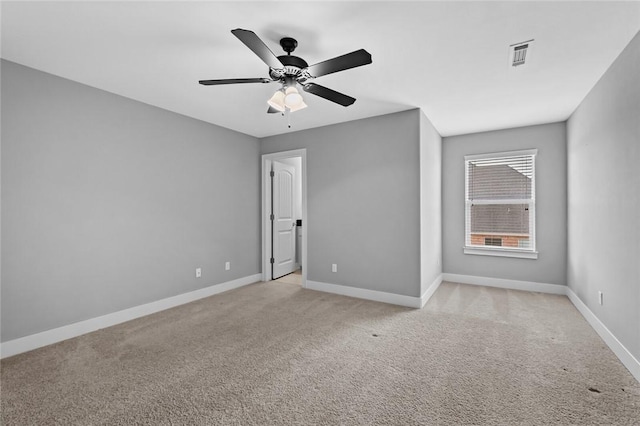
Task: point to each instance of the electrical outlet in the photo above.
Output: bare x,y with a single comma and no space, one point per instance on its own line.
600,297
198,272
227,266
334,267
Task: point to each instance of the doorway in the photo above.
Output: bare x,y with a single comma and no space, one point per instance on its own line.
284,215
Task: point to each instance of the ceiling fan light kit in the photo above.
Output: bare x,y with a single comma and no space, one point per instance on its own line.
289,71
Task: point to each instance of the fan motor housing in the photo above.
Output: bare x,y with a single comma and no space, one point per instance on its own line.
293,66
294,61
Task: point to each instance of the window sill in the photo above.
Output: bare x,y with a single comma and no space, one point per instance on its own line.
502,252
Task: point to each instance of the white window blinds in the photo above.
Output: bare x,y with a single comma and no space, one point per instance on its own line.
500,201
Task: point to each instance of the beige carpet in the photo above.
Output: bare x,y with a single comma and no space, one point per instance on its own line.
292,278
279,354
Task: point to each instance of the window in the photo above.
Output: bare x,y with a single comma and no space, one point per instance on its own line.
489,241
500,204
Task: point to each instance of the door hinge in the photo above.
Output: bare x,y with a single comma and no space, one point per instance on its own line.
272,217
273,260
272,173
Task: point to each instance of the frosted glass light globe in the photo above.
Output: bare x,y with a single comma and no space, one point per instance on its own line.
277,101
292,97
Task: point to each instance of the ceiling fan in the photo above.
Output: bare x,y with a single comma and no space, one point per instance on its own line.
291,70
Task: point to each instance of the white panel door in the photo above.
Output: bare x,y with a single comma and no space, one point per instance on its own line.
284,235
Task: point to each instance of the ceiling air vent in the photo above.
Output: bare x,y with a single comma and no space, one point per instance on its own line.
520,53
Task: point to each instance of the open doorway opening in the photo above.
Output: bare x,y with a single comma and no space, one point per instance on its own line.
284,217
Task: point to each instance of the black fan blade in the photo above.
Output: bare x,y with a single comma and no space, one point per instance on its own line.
253,42
235,81
341,63
272,110
331,95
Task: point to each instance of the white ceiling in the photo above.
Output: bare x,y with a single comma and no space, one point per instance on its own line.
448,58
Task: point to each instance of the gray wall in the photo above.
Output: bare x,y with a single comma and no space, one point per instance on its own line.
108,203
604,198
551,204
363,188
430,203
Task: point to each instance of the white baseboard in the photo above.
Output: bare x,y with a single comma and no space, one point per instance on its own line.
361,293
627,359
502,283
34,341
430,290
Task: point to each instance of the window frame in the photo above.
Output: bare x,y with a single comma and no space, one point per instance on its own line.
525,253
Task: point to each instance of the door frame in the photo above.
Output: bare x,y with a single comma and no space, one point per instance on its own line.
267,160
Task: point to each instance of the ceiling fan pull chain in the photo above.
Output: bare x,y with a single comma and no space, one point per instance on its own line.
288,118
